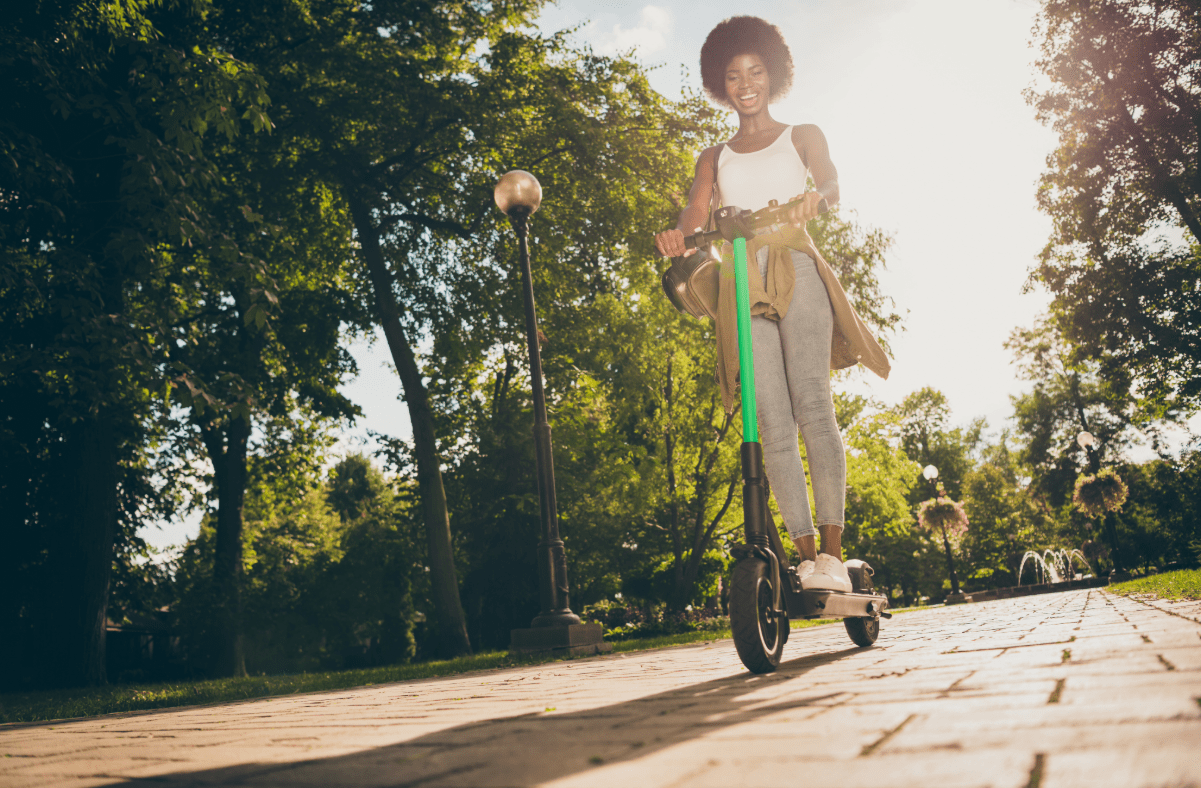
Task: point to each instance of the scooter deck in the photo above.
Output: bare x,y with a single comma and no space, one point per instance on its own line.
830,604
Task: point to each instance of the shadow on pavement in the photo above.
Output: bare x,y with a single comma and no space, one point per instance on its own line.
536,748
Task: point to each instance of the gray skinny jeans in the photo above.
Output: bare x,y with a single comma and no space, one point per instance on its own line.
792,388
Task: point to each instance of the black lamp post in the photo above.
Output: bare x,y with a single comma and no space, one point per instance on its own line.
930,473
519,194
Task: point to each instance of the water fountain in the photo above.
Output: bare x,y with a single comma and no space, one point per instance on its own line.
1052,566
1053,570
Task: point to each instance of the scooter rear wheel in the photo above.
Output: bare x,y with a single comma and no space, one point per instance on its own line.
758,636
863,631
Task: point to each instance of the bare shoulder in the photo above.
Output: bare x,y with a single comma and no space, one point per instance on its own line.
708,157
810,143
706,163
807,134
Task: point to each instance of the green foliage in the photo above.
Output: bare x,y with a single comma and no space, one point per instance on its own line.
1007,520
1121,95
329,572
928,439
622,622
1159,523
1069,396
878,517
113,109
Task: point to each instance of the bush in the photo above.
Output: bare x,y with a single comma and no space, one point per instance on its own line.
1105,492
624,622
943,514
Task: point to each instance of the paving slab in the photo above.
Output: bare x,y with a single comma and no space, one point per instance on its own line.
1079,688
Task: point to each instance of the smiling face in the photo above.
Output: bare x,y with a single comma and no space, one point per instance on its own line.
747,84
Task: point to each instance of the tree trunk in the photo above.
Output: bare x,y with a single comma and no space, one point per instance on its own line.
703,538
83,553
673,507
946,544
448,610
1111,534
228,454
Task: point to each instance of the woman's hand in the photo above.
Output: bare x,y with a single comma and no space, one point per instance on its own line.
801,215
670,243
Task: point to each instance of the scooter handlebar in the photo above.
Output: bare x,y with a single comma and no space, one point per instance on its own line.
745,220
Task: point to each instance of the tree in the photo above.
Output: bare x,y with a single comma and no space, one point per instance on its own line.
329,568
1159,523
261,341
928,439
408,110
879,519
1006,519
1124,99
1069,397
103,158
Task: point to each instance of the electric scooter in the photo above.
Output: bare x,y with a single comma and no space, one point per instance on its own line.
765,591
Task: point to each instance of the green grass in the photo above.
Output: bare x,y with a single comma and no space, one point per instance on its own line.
88,702
1182,584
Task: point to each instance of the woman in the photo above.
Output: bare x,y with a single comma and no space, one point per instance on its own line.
800,311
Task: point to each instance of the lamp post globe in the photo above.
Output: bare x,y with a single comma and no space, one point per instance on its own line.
518,191
930,473
1085,439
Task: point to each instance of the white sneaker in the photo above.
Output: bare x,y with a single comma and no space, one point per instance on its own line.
828,575
803,570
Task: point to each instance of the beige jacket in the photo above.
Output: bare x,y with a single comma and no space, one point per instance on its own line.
852,344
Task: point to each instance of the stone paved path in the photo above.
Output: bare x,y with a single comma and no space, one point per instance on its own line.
1079,688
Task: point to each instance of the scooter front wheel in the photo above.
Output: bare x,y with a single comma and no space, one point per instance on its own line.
759,633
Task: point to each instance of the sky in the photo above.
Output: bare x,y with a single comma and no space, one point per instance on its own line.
921,102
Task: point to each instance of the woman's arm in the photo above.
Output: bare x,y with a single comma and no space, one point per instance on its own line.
811,145
670,243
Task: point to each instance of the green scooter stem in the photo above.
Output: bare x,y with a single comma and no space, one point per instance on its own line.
746,356
755,513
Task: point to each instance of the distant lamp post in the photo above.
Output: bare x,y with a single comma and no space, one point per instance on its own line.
518,194
935,514
1086,441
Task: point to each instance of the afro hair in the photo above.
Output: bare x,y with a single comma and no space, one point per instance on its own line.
743,35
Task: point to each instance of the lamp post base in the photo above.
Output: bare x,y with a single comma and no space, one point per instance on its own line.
571,640
562,618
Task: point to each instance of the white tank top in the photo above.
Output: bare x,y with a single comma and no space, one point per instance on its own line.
749,180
